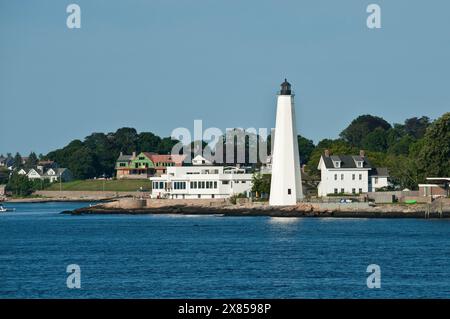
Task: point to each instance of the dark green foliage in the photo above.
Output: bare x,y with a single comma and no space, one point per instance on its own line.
434,156
416,127
4,175
18,161
97,154
305,149
32,160
375,141
361,127
261,184
19,185
411,151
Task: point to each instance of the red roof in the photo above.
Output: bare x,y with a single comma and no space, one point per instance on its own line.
156,158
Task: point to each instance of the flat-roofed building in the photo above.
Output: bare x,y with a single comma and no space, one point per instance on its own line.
191,182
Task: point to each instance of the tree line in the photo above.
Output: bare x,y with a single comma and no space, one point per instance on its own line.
412,150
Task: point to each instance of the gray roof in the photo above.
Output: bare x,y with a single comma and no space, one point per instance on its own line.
379,171
58,171
347,161
125,158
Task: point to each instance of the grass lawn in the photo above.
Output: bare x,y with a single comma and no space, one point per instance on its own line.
97,185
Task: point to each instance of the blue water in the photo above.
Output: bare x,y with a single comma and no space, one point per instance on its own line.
169,256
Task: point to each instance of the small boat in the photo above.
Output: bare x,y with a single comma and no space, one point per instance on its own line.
4,210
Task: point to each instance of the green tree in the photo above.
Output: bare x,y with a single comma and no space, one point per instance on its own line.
261,184
125,140
166,145
416,127
103,151
434,156
305,148
18,162
148,142
32,160
401,146
375,140
4,175
83,164
19,185
404,171
361,126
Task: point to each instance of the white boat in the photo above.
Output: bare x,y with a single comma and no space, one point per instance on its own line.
4,210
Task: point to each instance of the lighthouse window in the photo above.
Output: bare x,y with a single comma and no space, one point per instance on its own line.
289,191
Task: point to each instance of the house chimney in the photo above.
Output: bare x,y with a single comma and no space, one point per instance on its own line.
327,153
362,153
134,154
121,153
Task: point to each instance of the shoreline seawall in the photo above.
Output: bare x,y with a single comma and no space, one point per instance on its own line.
224,208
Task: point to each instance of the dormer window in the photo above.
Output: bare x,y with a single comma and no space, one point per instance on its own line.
359,164
337,164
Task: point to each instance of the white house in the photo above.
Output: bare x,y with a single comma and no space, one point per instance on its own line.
349,174
34,174
53,174
201,181
379,178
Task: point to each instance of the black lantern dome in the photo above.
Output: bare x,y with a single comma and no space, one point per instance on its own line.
285,88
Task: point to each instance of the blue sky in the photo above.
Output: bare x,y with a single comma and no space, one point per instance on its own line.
161,64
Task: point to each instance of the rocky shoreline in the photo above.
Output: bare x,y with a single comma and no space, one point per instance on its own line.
249,210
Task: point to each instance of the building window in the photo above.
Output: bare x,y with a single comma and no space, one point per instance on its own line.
225,182
289,191
360,177
199,196
360,190
353,177
335,177
342,191
335,190
353,191
215,184
376,180
342,177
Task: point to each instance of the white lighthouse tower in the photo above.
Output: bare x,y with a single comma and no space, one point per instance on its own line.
286,184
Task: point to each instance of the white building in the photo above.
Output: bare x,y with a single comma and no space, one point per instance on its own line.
206,181
286,183
349,174
31,173
52,174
